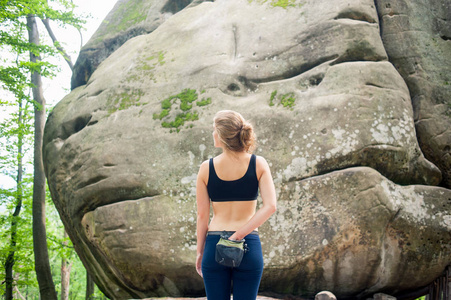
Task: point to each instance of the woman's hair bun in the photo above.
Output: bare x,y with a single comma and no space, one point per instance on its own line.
234,131
247,136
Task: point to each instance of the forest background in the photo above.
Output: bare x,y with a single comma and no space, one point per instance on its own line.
61,27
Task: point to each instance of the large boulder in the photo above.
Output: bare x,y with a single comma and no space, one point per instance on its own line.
122,152
353,232
127,19
417,37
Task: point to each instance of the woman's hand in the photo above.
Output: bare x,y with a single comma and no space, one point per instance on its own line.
199,265
233,237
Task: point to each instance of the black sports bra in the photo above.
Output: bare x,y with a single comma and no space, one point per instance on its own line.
243,189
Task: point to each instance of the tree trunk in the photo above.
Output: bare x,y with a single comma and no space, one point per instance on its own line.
57,44
41,256
89,287
9,263
448,282
19,295
66,267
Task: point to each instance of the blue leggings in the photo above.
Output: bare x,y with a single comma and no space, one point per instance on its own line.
246,278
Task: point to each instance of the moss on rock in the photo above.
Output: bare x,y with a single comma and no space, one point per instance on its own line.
125,100
204,102
184,102
279,3
286,100
130,13
146,67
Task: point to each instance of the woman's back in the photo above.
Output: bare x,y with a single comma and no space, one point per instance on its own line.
230,169
230,183
229,179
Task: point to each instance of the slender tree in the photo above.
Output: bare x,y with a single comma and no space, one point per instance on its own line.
15,131
57,44
66,267
10,259
18,15
89,287
42,265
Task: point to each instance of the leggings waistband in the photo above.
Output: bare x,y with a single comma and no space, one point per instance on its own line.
255,232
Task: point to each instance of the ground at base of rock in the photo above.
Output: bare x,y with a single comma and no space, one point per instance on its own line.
205,298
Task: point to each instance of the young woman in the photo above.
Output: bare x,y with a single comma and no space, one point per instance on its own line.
231,181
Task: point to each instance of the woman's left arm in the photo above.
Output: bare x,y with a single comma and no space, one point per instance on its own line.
268,194
203,213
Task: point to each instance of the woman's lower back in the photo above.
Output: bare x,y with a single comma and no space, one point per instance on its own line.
231,215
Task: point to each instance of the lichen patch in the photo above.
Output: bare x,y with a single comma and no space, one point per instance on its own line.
406,199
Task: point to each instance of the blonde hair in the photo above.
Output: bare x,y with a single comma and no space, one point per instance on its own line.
234,131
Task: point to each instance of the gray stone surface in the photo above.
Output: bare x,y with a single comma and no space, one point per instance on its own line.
353,230
128,18
381,296
417,38
122,152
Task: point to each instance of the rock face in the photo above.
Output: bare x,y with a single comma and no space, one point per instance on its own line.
128,18
359,210
417,37
353,232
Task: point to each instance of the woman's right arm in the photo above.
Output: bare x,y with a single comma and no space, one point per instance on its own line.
268,194
203,212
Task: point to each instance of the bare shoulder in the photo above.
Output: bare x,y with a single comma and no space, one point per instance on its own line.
261,161
202,176
204,167
262,166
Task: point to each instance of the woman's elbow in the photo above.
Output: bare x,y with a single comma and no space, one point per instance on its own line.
202,217
272,207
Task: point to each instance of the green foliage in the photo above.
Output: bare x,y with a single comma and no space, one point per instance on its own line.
161,58
204,102
125,100
10,131
25,279
147,65
14,79
128,13
16,131
161,115
185,103
166,103
24,272
279,3
187,96
271,99
15,72
283,3
60,247
58,10
286,100
180,119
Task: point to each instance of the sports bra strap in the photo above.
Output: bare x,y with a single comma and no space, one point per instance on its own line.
242,189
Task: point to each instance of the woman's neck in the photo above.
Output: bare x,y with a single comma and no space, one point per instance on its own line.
233,154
